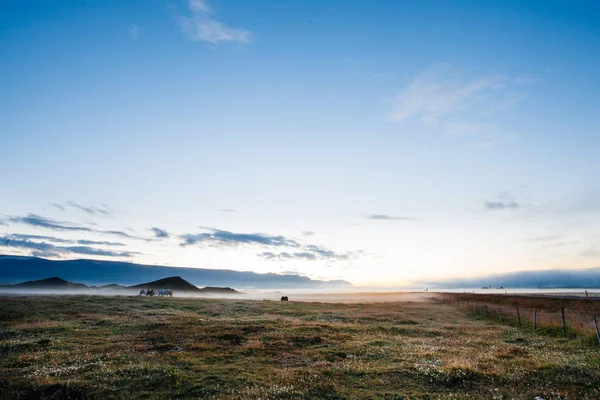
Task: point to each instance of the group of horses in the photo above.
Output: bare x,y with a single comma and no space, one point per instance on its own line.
156,292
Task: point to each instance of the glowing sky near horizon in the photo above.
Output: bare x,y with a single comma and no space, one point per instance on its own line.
377,142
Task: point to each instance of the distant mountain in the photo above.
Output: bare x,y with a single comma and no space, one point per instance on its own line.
95,272
219,290
179,284
174,283
48,283
564,278
110,286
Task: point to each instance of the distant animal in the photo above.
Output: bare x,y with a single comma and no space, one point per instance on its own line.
143,292
150,292
284,298
165,292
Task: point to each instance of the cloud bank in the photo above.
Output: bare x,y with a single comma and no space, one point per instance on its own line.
47,249
219,237
55,225
294,250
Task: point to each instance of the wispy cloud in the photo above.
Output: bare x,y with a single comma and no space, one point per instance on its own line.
48,249
432,96
444,96
219,237
102,243
18,236
160,233
92,210
228,210
47,223
268,255
41,222
201,25
97,252
550,238
44,254
388,217
291,248
493,205
122,234
306,255
503,201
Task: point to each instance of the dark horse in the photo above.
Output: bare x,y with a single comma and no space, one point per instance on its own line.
284,298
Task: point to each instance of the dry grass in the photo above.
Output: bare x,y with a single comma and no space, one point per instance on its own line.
101,347
579,312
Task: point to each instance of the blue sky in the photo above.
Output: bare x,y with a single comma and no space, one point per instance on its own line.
377,142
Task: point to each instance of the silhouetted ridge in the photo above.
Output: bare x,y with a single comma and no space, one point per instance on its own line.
98,272
222,290
49,283
177,283
173,283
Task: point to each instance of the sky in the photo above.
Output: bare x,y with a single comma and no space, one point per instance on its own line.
378,142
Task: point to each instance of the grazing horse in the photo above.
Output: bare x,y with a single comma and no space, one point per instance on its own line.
165,292
143,292
284,298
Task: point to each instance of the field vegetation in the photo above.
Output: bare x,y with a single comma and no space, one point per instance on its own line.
547,311
71,347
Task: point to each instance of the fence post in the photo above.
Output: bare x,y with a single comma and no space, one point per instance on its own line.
562,311
534,319
597,331
487,314
519,316
501,318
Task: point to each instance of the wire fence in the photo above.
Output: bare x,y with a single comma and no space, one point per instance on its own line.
581,318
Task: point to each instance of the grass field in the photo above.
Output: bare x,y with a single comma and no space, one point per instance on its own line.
547,311
128,347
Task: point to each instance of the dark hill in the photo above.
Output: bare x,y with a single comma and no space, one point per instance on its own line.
173,283
111,286
177,283
220,290
49,283
97,272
